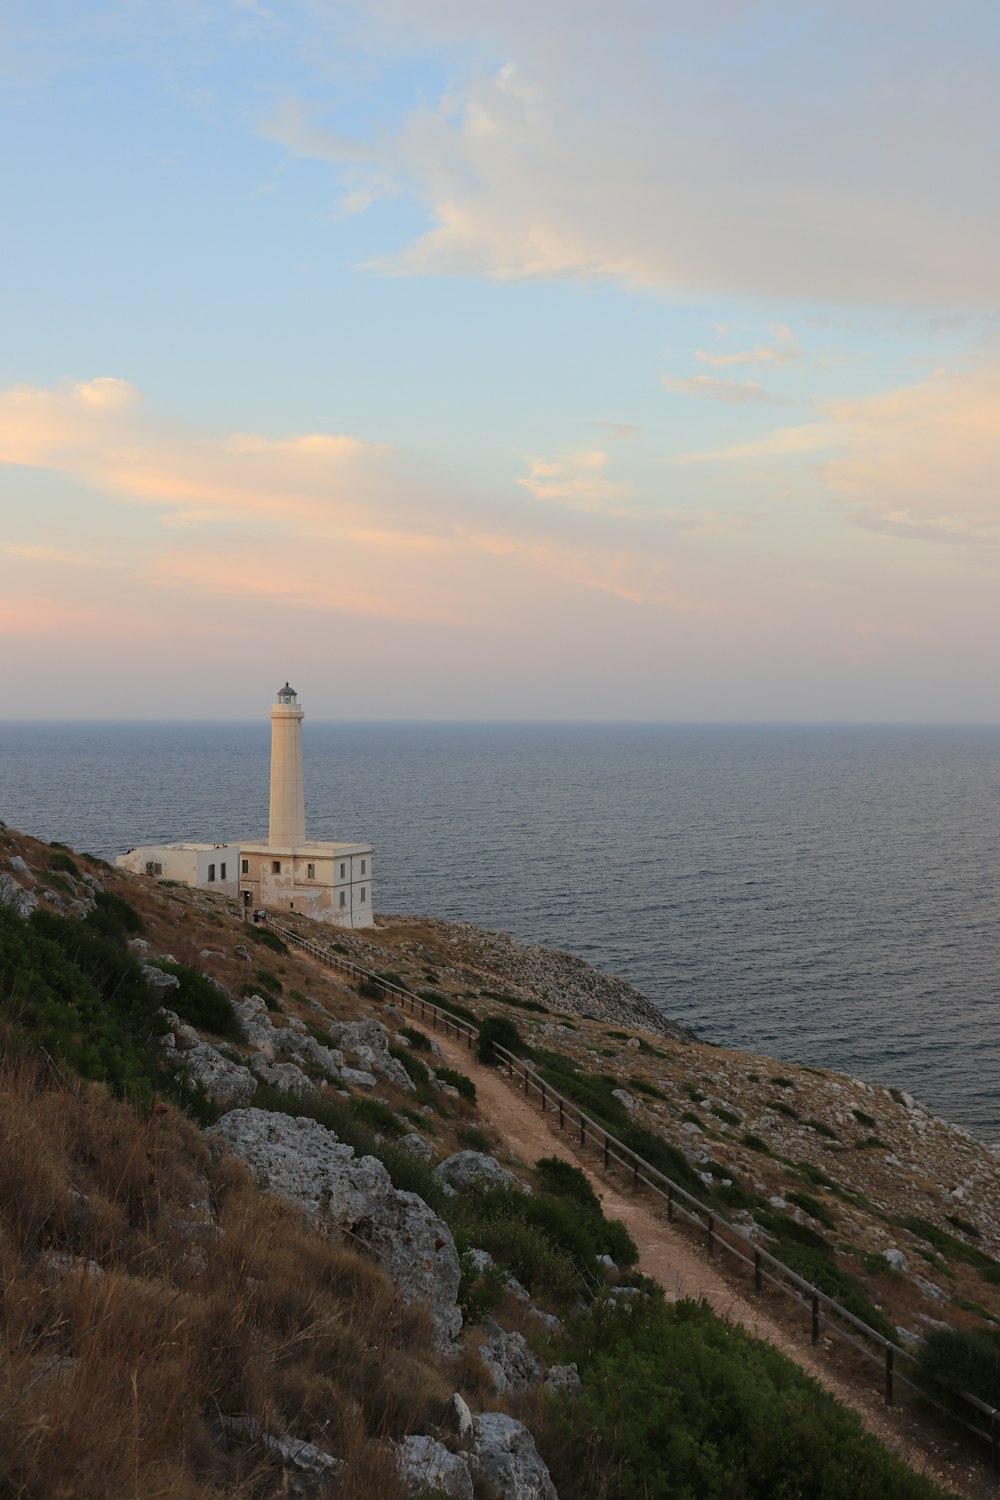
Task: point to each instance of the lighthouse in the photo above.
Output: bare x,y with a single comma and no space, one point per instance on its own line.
328,880
287,825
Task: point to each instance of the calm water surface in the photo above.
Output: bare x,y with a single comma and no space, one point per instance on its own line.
828,895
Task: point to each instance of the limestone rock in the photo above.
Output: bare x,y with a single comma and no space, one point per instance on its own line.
21,867
358,1079
458,1418
12,895
310,1471
305,1164
628,1100
159,981
284,1076
563,1379
417,1145
475,1172
512,1364
896,1259
431,1469
226,1081
367,1042
506,1458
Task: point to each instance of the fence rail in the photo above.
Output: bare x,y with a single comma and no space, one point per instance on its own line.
680,1205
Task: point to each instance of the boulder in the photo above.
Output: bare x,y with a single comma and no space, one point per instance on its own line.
564,1380
21,867
458,1419
367,1042
304,1163
505,1458
12,895
357,1079
431,1469
309,1471
475,1172
417,1145
896,1259
224,1080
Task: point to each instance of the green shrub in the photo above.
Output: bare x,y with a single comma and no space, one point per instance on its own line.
479,1292
378,1115
756,1144
963,1225
200,1001
113,916
729,1115
450,1004
267,938
951,1360
533,1005
499,1031
370,989
865,1119
642,1087
813,1208
418,1040
821,1128
64,863
459,1081
473,1139
949,1245
563,1180
783,1108
270,981
781,1082
297,995
679,1405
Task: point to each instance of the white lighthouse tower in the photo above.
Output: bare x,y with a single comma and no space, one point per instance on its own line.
287,825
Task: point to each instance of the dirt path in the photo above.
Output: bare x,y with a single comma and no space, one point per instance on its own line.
668,1256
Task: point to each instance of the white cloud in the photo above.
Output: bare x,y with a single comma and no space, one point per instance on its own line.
784,348
652,144
730,392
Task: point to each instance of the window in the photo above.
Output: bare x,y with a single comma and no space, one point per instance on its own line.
152,868
310,872
343,898
245,866
362,893
364,868
211,874
222,872
343,867
276,867
157,868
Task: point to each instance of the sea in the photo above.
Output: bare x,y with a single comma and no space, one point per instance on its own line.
829,895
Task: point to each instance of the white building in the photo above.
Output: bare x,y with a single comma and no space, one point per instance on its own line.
214,866
331,882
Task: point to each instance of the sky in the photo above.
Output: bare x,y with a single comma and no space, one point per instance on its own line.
486,359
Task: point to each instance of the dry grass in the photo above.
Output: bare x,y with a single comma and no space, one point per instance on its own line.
148,1290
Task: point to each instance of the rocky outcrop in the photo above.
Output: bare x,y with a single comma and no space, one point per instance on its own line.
304,1163
432,1470
505,1457
474,1172
367,1043
308,1471
513,1366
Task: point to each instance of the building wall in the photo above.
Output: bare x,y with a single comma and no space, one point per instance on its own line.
329,887
189,863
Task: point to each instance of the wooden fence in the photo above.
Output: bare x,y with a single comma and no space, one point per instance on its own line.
680,1207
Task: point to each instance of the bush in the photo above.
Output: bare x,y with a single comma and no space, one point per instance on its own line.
268,938
419,1075
417,1039
951,1360
64,863
812,1207
499,1031
201,1002
678,1404
113,916
473,1139
459,1081
269,981
378,1115
450,1004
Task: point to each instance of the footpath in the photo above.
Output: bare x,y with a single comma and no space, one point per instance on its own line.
670,1258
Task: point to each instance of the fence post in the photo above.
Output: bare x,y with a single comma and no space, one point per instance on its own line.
561,1118
670,1205
888,1387
758,1277
583,1132
710,1225
510,1067
635,1174
526,1083
815,1318
543,1099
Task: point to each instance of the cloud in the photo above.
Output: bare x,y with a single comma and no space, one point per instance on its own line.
785,348
731,392
576,480
924,461
331,523
784,442
621,431
654,147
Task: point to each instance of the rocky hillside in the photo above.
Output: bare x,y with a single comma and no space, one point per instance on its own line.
256,1234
